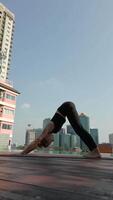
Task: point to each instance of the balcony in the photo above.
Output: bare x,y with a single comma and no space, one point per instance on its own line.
7,118
7,102
4,131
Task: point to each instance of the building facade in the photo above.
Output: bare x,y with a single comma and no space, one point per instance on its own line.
73,141
70,129
76,142
94,134
7,113
7,20
7,93
67,141
46,122
85,123
56,143
111,138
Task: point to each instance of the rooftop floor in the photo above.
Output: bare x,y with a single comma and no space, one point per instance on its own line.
45,177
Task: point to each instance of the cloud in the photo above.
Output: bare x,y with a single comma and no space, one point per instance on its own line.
25,105
53,82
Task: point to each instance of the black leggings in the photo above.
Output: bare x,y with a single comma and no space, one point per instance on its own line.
68,109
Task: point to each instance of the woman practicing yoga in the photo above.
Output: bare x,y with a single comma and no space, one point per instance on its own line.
67,109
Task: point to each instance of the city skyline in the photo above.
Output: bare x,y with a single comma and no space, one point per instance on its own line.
62,51
66,138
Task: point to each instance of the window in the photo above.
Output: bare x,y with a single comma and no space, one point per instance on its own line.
5,49
6,126
8,111
11,97
8,27
10,19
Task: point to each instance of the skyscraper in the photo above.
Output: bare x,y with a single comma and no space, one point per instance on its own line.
45,122
7,20
76,138
73,141
85,123
56,142
67,141
62,131
94,134
62,140
70,129
111,138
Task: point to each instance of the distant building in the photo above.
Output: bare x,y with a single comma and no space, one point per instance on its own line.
62,140
78,141
7,21
85,123
67,141
62,131
56,142
70,130
32,134
46,122
59,139
111,138
73,141
76,138
94,134
105,148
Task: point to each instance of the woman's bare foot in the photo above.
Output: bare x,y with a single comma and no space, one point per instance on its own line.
93,154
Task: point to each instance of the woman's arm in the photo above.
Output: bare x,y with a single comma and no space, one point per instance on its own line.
44,140
31,147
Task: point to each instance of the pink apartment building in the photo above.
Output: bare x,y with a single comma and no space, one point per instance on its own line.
7,112
7,92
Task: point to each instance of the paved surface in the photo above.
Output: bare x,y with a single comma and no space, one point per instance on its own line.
55,178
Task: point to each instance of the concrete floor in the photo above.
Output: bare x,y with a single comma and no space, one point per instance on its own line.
44,177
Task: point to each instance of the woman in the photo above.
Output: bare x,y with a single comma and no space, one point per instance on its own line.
67,109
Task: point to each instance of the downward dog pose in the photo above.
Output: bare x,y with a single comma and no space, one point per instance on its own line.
67,109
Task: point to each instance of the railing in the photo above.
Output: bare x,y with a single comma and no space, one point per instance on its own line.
8,82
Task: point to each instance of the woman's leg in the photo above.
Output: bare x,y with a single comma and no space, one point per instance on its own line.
68,110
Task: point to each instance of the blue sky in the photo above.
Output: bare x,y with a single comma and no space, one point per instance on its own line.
63,50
